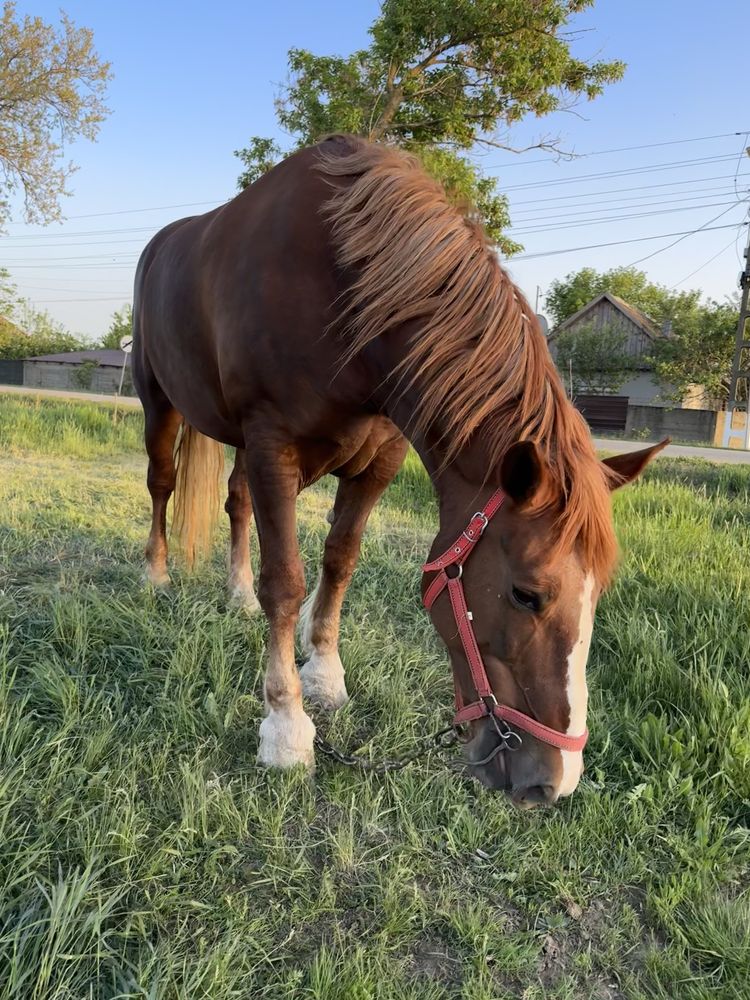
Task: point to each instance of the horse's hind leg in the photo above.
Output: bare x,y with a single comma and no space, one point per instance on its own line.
286,733
323,675
239,507
162,424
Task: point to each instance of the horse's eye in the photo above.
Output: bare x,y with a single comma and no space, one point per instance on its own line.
532,602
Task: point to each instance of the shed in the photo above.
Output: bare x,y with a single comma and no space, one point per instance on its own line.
610,311
82,371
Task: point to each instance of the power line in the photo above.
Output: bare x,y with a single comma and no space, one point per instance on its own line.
618,149
105,298
731,243
559,223
132,211
524,227
631,201
739,161
575,221
682,237
605,220
83,232
579,196
629,171
638,187
617,243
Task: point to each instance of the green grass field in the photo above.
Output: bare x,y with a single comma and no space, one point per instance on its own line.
143,854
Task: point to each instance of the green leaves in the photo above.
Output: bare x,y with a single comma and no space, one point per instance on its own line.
596,358
120,326
439,77
52,84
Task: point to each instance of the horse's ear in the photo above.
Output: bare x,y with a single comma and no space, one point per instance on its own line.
522,471
629,466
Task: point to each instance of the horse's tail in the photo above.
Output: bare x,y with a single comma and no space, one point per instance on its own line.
200,467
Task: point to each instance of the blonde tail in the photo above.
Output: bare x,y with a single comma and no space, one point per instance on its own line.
200,467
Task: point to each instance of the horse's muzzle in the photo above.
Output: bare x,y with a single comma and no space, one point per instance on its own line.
528,778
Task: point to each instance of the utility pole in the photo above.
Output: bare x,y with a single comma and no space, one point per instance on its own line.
739,386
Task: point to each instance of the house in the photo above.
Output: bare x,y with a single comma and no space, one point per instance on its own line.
610,311
84,371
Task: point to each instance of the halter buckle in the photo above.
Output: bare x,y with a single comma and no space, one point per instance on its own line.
483,518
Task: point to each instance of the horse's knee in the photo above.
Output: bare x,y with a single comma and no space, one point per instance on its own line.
281,592
339,562
237,505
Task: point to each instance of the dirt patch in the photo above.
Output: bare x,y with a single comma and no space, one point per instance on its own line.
432,959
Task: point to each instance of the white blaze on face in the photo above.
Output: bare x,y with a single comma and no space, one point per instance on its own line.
577,691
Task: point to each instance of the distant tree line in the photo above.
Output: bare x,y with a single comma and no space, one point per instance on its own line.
26,331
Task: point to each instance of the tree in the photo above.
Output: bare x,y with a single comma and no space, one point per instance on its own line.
120,326
24,331
438,78
52,85
18,343
567,295
594,360
701,352
8,296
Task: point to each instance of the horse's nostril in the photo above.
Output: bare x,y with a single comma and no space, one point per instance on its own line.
534,795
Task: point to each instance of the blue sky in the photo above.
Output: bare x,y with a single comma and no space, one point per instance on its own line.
193,81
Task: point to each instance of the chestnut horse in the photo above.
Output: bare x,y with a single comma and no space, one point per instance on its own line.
336,310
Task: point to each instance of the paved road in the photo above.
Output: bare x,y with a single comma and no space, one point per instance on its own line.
730,456
726,455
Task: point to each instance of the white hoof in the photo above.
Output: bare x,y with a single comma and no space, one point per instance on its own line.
286,739
157,578
323,681
244,599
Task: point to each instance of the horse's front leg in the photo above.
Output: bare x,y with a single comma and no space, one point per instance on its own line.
286,733
323,674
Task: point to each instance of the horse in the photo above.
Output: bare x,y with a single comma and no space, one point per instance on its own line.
336,311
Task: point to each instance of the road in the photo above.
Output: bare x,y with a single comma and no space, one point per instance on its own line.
725,455
729,456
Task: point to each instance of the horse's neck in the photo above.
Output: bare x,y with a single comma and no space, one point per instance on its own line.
458,484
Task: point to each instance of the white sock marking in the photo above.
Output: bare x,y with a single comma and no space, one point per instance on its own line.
286,739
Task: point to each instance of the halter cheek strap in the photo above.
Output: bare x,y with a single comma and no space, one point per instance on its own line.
486,704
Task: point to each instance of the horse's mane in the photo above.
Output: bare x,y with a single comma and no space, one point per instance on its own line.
478,354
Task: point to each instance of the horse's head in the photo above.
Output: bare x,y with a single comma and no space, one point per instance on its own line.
531,603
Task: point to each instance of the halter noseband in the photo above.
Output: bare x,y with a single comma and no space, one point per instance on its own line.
486,704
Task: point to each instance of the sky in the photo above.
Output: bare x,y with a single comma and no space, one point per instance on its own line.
193,81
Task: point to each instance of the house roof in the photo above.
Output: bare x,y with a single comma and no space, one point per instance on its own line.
636,316
7,325
105,358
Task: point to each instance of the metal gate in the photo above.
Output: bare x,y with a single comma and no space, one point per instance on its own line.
604,413
11,372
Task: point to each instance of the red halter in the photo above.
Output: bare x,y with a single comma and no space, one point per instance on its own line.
487,704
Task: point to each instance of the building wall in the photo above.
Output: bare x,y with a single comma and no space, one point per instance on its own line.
644,390
606,315
683,425
54,375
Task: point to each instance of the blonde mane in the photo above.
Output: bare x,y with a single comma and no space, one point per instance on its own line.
478,355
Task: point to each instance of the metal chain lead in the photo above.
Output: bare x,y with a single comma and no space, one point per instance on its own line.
443,739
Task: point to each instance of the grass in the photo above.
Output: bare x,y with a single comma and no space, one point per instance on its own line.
143,854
